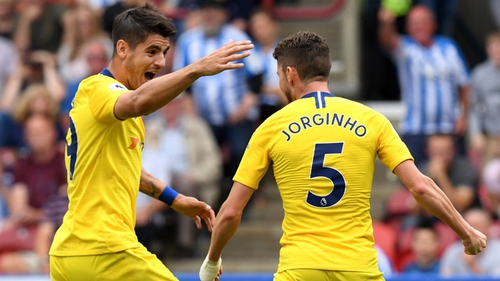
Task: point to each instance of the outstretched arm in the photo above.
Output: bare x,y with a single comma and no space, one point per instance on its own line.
433,199
185,205
156,93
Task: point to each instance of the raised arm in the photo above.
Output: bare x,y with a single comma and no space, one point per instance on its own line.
461,123
432,198
185,205
387,33
156,93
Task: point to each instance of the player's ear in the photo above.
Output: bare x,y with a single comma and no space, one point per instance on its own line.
121,48
291,74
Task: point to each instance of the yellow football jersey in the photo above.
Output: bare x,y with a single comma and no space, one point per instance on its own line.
323,150
103,160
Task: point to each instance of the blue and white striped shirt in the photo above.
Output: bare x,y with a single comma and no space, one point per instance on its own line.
270,76
216,97
429,80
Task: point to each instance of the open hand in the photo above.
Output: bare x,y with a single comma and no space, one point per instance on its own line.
222,58
195,209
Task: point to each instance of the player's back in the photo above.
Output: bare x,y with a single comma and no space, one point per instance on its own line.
323,150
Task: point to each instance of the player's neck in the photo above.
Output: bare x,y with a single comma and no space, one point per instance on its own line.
115,70
315,86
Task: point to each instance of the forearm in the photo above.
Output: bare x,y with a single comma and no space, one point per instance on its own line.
156,93
54,83
43,240
433,199
150,185
225,227
11,91
154,187
443,181
23,34
388,35
465,100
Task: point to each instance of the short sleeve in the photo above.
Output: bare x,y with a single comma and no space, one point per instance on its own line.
390,148
102,98
256,159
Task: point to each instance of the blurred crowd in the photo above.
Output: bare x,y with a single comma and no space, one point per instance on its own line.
195,143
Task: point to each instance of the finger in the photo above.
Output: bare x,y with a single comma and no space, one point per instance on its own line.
236,57
197,220
239,48
208,222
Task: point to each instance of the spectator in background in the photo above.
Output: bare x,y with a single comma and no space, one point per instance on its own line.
34,67
96,59
455,263
433,77
491,179
3,195
227,102
186,156
100,5
37,178
8,60
264,29
454,173
36,99
7,19
484,128
425,247
37,259
40,25
149,216
81,26
445,12
240,12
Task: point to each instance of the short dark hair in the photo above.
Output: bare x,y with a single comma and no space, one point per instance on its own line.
135,24
307,52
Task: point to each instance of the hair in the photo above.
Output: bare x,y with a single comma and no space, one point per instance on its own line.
134,25
426,224
493,37
23,110
267,13
307,52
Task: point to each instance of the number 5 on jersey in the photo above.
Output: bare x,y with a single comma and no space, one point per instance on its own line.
319,170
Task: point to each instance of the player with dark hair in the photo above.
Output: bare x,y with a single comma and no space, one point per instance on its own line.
323,149
104,148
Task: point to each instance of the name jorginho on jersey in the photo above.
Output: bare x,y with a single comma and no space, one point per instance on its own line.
325,119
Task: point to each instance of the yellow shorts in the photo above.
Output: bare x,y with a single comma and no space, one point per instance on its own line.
131,264
326,275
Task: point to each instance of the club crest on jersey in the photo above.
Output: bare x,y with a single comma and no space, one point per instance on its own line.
117,87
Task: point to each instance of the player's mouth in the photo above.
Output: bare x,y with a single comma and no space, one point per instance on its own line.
149,75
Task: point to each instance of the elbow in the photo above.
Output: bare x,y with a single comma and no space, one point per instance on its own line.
139,106
231,215
422,187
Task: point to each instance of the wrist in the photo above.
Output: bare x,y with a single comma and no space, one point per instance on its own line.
168,195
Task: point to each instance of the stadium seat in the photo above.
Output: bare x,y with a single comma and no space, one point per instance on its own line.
385,237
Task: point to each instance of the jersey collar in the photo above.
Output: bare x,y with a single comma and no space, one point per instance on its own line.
106,72
317,94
